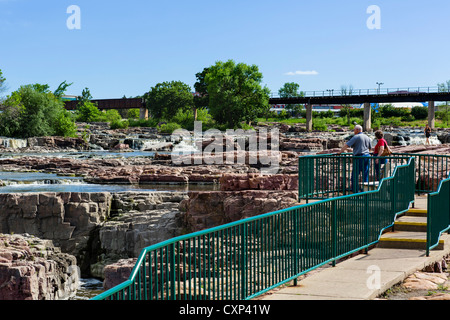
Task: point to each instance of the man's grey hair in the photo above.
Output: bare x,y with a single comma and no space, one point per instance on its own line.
358,127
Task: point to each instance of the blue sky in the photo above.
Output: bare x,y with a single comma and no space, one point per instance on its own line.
127,47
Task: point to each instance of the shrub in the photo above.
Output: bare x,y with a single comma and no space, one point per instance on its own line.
110,116
168,127
419,113
119,124
32,112
185,118
88,112
320,125
133,114
389,111
151,123
65,126
283,115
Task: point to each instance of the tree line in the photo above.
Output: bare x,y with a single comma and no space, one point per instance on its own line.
228,94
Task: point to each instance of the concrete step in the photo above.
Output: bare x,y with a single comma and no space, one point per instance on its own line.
417,212
406,240
411,223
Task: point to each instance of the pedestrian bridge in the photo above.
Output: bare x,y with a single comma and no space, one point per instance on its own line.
360,96
246,258
354,96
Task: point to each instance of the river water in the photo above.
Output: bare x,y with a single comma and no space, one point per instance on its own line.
24,182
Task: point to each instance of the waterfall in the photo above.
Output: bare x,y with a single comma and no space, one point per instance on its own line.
13,143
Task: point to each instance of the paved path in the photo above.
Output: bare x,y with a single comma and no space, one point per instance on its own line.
364,276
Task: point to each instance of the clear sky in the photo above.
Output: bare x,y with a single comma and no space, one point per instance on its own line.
127,47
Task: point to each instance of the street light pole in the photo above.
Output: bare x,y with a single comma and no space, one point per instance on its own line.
379,85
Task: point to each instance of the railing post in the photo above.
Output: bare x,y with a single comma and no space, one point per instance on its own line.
366,218
394,198
345,174
243,261
296,255
172,271
429,211
334,231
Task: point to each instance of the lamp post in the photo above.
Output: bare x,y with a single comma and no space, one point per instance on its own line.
331,91
379,85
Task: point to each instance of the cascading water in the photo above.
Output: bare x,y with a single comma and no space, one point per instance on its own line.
13,143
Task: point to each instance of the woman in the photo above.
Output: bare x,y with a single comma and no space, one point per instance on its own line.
427,132
379,149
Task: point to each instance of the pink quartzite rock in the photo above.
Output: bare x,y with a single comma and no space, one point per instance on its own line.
252,181
210,209
118,272
33,269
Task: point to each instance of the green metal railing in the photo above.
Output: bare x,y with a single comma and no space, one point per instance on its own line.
438,214
330,175
430,170
247,258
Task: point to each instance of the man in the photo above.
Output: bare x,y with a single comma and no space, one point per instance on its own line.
361,145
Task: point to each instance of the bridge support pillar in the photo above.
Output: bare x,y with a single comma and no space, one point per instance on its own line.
143,113
309,123
431,114
367,126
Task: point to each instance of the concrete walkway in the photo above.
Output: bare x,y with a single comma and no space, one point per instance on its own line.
365,276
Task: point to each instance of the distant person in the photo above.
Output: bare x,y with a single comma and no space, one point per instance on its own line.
378,151
427,132
361,145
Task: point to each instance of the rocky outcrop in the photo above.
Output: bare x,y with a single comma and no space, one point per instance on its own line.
254,181
97,228
34,269
202,210
138,220
118,272
210,209
121,171
65,218
302,144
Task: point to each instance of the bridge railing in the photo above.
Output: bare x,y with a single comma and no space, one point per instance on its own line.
247,258
368,92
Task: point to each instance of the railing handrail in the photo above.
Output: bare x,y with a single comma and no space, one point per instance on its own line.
333,93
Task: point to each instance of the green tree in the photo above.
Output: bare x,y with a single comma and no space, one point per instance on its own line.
85,96
34,111
87,111
2,83
165,99
61,89
235,93
201,99
291,90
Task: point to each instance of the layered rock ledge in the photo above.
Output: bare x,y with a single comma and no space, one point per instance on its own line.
34,269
